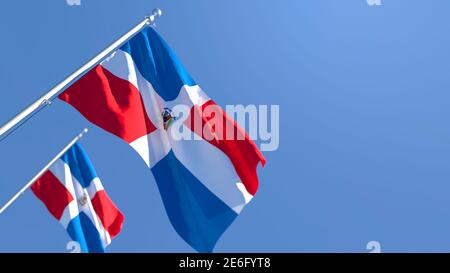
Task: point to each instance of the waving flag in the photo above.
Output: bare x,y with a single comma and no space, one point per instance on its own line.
204,183
74,195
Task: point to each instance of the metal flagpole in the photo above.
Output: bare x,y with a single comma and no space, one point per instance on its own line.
43,170
59,88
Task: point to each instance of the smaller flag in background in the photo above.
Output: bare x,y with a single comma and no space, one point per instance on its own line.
74,195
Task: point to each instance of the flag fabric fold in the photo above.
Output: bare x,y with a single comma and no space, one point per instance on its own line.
204,183
74,195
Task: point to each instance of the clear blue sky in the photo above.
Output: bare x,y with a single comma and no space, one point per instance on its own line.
364,134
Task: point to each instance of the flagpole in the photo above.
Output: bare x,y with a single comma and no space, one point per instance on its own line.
43,170
60,87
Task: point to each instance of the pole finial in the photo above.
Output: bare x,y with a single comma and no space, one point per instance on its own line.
154,15
85,130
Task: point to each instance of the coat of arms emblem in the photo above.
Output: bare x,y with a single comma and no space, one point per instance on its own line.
167,117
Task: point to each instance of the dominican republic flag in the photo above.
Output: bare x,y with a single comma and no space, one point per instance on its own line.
204,183
74,195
